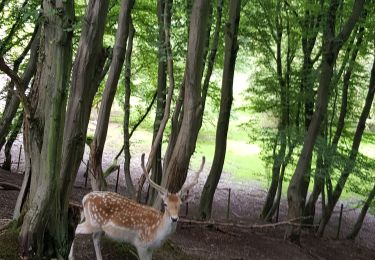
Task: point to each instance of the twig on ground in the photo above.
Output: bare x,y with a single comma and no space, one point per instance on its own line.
242,225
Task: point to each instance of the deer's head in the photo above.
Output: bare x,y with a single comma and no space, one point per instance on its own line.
172,201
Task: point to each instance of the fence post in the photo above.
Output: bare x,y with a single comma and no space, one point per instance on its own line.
187,204
228,205
340,217
19,158
118,174
87,172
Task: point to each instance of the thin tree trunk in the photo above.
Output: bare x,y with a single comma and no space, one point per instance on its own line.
331,46
12,137
320,175
279,155
231,48
128,181
213,51
97,144
156,173
4,43
350,163
14,102
158,138
358,224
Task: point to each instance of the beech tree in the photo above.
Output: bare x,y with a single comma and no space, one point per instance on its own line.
332,43
231,48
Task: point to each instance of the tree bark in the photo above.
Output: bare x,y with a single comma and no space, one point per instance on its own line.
358,224
156,172
97,144
283,76
129,50
7,165
176,171
41,233
231,48
213,51
88,65
331,46
324,164
14,102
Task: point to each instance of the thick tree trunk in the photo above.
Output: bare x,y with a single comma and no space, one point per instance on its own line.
129,183
176,171
350,163
231,48
331,46
41,233
358,224
97,144
87,70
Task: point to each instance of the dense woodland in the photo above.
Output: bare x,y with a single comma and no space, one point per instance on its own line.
311,71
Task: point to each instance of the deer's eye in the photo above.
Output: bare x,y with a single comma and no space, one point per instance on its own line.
165,205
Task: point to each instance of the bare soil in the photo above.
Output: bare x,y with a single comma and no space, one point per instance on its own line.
192,241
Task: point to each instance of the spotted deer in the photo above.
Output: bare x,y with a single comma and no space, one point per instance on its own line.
125,220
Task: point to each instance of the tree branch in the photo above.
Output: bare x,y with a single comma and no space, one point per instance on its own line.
20,86
291,222
350,23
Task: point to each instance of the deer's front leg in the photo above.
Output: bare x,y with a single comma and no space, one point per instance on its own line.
96,237
144,253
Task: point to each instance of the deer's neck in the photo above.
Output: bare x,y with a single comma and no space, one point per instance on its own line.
167,226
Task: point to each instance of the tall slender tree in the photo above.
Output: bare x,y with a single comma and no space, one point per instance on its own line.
119,49
332,44
231,48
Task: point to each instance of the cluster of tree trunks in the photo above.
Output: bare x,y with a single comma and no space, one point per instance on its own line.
56,109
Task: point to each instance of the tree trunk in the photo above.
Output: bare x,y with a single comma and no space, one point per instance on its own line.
14,102
41,233
97,144
88,66
8,146
358,224
331,46
156,173
319,177
88,60
213,51
176,171
279,156
129,50
321,174
350,163
231,48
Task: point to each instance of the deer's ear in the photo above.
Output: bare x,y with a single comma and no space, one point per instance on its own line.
163,195
186,197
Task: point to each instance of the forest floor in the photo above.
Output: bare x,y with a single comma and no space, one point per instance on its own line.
193,241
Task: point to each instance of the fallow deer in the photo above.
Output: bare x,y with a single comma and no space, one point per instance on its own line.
127,221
